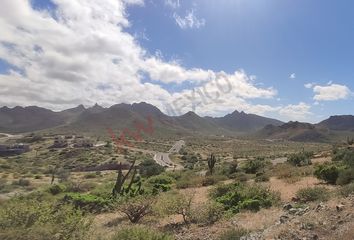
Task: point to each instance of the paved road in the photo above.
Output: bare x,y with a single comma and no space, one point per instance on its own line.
164,159
177,146
11,136
5,136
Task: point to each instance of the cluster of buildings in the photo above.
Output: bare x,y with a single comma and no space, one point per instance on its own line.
59,142
72,141
14,149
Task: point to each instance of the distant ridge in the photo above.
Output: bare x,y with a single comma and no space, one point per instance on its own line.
26,119
331,129
339,122
96,119
243,122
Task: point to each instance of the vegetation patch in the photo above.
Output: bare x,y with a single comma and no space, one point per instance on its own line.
88,202
300,159
238,196
313,194
140,233
233,234
23,218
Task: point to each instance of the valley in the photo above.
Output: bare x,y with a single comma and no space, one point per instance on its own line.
196,184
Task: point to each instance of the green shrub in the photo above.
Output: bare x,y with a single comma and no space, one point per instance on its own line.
251,204
212,179
344,155
207,213
22,182
140,233
161,179
261,177
63,174
189,179
239,176
80,187
235,197
103,190
136,208
22,218
253,166
312,194
233,234
56,189
88,202
232,167
347,190
149,168
160,183
300,159
175,203
327,172
345,176
227,168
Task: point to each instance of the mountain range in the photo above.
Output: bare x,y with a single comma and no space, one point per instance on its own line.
96,120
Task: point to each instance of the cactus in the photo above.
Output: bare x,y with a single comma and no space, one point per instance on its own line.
118,188
350,141
211,163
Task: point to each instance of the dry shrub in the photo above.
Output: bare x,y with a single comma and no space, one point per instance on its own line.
291,174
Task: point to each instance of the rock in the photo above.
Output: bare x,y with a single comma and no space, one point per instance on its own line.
293,211
284,218
287,206
307,226
314,237
295,199
320,207
340,207
299,211
296,222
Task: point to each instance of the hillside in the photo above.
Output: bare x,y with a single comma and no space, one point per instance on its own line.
330,130
293,131
243,122
28,119
96,120
339,123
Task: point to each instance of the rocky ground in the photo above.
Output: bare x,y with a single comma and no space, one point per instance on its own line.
331,220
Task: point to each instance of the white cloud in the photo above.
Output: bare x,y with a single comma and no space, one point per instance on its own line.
222,93
189,21
331,92
300,111
174,4
64,60
168,72
308,85
292,76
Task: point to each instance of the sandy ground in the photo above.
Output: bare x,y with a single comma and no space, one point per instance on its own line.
288,190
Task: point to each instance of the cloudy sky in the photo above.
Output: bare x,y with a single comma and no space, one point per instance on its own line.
292,60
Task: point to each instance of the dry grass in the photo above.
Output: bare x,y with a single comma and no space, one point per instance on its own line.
288,190
291,174
257,221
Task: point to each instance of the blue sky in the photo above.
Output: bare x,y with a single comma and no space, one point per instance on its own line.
279,46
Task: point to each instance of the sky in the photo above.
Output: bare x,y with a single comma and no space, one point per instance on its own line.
290,60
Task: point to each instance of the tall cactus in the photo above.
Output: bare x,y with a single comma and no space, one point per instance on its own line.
118,188
211,163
